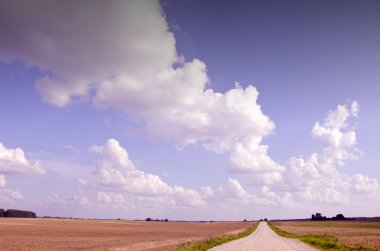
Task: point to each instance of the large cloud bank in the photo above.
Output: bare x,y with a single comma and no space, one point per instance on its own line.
121,55
314,180
121,184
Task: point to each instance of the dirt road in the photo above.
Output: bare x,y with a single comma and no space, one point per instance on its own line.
264,239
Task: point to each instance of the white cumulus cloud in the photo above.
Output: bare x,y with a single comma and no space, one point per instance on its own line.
122,55
83,43
13,161
117,174
340,138
319,177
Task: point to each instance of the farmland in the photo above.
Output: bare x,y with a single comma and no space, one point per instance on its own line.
66,234
351,233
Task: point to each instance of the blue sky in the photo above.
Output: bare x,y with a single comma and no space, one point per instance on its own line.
190,110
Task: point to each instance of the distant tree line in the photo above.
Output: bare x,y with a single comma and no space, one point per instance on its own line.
150,219
320,217
14,213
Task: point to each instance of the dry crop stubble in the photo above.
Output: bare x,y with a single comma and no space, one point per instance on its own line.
66,234
350,233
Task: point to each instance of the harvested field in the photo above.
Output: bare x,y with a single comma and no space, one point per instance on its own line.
57,234
351,233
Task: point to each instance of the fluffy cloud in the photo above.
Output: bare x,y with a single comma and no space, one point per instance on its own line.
318,177
86,42
334,131
232,190
117,174
250,159
122,185
13,161
123,56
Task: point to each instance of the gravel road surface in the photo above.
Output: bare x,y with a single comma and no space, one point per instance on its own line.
264,239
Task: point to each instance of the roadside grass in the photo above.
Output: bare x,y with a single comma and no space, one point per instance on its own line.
323,242
216,241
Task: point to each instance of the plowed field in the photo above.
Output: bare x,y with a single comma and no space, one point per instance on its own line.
57,234
351,233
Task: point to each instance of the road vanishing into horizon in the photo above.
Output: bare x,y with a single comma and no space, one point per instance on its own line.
264,239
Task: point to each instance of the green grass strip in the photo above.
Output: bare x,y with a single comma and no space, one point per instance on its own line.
323,242
216,241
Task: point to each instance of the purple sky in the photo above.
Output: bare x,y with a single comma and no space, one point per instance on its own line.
190,110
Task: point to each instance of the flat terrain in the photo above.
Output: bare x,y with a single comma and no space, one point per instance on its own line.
264,239
351,233
57,234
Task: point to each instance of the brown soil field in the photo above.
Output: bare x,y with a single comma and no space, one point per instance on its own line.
112,235
351,233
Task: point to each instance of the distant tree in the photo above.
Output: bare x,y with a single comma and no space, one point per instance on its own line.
2,211
148,219
317,216
265,219
339,217
166,220
245,220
